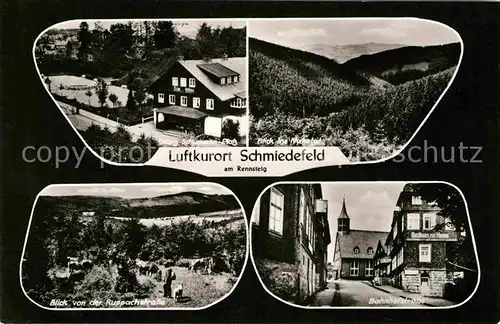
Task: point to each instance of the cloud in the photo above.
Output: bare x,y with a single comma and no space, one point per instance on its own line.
384,32
164,189
376,199
296,33
101,190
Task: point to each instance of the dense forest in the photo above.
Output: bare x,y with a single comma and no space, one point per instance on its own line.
364,112
58,231
134,52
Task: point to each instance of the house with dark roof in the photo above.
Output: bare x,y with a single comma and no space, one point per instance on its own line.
198,96
417,245
290,236
354,249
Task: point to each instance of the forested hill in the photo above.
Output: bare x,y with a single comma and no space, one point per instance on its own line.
407,63
185,203
357,106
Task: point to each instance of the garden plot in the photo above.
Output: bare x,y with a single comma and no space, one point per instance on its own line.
73,87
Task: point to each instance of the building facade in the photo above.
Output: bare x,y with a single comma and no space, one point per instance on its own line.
354,249
417,245
290,233
198,96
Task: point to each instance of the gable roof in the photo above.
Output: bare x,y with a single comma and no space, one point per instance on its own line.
226,91
361,239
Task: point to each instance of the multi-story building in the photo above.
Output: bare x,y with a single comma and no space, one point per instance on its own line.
354,249
198,96
417,245
290,233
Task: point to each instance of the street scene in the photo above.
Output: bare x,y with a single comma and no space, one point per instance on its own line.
364,245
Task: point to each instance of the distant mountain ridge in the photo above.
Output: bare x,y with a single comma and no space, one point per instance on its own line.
185,203
343,53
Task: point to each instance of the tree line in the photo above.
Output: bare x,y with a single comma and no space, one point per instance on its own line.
114,245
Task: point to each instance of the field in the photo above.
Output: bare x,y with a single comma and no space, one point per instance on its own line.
73,87
76,251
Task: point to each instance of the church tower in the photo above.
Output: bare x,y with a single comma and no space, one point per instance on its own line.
343,220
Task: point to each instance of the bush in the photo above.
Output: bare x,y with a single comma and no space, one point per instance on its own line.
145,288
99,283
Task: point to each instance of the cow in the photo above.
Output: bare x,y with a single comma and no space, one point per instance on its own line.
198,264
73,264
153,269
158,276
78,275
86,264
167,286
143,266
178,293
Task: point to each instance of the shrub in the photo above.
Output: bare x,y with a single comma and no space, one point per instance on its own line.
98,283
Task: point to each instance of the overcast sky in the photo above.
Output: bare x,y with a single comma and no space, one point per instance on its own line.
133,190
187,28
298,33
370,206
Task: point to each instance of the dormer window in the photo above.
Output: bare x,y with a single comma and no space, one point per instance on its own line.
370,250
416,200
228,80
235,79
356,250
223,81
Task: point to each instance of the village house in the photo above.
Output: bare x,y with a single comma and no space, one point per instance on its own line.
290,235
354,249
417,245
198,96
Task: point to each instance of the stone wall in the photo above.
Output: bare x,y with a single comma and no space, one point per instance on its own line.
437,279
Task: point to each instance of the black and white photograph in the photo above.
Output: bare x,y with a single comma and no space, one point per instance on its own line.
379,244
140,246
364,85
148,83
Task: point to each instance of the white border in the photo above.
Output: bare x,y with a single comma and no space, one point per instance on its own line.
245,219
248,21
367,307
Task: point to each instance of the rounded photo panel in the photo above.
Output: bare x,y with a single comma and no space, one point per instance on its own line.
172,246
247,94
365,245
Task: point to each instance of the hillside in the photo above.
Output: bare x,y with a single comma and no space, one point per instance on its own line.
299,82
407,63
162,206
343,53
357,106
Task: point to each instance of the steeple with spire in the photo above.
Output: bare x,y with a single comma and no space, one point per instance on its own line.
343,220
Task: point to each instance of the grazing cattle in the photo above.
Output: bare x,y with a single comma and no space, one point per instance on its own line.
74,266
86,264
159,275
143,266
78,275
167,286
153,269
197,264
178,292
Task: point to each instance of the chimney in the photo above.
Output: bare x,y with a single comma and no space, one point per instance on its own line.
224,56
180,58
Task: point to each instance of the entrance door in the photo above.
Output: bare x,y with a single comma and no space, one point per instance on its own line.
424,286
161,118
